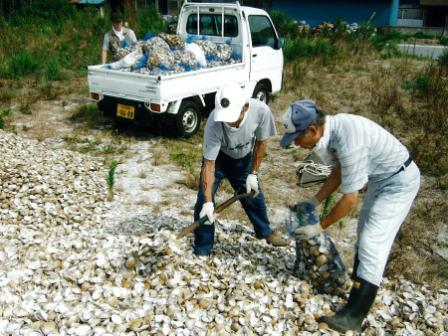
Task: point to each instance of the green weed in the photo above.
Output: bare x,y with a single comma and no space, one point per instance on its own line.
53,70
111,179
185,156
25,109
3,116
21,64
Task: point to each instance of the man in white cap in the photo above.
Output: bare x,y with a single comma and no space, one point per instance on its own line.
116,38
365,154
235,139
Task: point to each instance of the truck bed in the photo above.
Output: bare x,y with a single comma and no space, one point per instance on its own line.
162,89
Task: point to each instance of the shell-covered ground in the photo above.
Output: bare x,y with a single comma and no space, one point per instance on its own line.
72,263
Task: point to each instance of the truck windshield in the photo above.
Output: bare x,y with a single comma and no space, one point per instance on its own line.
211,24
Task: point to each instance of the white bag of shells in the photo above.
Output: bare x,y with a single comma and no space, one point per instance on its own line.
317,259
170,54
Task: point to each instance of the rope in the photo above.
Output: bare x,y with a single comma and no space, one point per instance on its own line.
313,168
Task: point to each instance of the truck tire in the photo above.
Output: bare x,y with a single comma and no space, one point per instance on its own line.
188,119
261,92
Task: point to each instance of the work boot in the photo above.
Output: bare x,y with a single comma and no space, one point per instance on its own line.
358,305
276,240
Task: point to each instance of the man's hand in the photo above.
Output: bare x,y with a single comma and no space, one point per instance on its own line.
252,184
208,209
308,231
306,206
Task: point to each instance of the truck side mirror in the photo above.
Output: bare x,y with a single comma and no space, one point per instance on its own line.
279,43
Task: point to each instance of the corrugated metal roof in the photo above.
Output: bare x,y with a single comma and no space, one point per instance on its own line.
434,2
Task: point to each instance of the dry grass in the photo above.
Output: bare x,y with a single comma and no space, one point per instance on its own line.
160,157
190,181
143,202
142,174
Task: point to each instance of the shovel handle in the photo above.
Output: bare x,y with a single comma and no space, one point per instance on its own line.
191,228
218,209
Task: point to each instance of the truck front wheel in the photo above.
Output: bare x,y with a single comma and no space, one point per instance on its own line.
261,92
188,119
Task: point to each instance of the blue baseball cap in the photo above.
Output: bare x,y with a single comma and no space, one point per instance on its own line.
297,118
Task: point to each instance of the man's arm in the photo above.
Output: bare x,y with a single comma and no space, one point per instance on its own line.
208,178
330,185
346,204
103,56
258,154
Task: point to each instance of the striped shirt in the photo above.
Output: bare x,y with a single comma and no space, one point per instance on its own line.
364,149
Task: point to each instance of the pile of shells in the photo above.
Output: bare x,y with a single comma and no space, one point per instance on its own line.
68,268
209,48
318,262
155,43
161,58
185,58
173,40
167,54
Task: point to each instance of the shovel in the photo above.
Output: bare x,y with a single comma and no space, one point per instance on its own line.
236,196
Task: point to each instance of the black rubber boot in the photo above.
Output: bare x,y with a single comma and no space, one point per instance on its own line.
358,305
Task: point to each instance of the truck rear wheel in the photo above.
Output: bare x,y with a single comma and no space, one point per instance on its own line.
188,119
261,92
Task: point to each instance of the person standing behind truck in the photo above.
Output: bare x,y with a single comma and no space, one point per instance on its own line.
118,37
366,154
235,138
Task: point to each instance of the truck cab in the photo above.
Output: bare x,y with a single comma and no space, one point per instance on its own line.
251,33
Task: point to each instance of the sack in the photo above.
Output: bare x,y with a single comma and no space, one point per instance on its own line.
317,260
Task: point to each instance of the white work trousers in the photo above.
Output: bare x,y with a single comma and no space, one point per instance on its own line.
385,207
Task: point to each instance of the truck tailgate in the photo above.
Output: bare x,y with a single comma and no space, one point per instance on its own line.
122,84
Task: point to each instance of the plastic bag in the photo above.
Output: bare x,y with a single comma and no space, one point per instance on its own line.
198,53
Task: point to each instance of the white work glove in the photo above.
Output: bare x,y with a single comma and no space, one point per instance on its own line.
308,231
306,206
252,184
208,209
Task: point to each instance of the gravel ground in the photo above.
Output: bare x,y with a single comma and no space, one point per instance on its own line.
72,263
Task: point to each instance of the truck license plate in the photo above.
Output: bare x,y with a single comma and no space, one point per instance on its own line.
125,111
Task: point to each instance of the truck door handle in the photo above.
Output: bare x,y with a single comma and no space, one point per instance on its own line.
254,55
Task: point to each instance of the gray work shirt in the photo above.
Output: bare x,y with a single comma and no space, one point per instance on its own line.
238,142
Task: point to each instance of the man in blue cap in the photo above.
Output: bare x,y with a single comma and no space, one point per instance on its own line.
363,153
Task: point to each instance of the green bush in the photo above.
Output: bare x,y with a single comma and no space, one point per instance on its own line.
390,50
443,40
385,38
53,70
21,64
48,11
421,35
149,21
285,25
308,47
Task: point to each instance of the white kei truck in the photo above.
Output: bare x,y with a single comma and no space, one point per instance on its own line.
180,100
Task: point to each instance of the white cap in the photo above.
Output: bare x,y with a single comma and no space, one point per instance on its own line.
229,102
